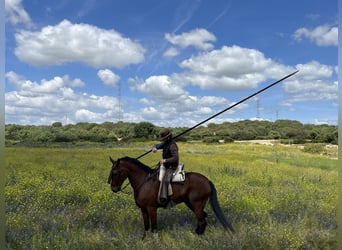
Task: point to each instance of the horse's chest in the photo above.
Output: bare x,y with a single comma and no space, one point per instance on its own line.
147,194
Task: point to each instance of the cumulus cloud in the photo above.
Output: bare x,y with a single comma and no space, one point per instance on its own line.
313,83
324,35
160,87
87,115
68,42
184,111
29,88
204,104
317,90
16,14
51,100
314,70
231,68
73,83
108,77
168,101
199,38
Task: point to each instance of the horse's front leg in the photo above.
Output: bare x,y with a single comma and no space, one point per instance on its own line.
152,212
146,220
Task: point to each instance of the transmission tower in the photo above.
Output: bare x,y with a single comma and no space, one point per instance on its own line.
257,108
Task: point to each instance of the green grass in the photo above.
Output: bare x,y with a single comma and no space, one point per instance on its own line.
277,197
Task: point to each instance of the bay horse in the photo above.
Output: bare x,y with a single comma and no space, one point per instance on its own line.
194,192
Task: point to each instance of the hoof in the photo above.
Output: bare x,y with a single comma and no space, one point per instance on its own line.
201,228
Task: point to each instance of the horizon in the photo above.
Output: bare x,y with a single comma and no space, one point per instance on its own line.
202,125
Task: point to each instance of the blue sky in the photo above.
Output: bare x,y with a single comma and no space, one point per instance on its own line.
172,63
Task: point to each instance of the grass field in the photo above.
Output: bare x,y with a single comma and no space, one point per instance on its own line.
277,197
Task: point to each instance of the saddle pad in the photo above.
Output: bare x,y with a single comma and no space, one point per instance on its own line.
178,175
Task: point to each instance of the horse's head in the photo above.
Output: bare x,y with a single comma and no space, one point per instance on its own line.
116,176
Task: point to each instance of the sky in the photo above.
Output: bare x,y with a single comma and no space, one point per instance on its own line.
172,63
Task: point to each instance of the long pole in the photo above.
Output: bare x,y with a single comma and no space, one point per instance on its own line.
226,109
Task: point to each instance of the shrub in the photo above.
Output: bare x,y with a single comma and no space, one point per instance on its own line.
314,148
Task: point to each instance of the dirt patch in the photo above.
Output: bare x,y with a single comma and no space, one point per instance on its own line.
330,150
261,142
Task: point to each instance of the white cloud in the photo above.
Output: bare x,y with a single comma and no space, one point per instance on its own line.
73,83
171,52
313,83
186,111
314,70
160,87
29,88
199,105
67,42
86,115
231,68
170,104
199,38
146,101
324,35
16,14
108,77
314,91
153,113
52,99
228,68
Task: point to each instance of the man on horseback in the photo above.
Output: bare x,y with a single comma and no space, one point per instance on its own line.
170,161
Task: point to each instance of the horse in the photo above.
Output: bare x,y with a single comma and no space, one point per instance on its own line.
194,192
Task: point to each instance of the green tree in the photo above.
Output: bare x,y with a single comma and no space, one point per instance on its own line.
57,124
43,134
145,130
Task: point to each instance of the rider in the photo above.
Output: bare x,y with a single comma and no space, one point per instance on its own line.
170,161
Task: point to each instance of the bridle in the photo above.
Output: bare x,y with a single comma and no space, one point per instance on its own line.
117,166
109,181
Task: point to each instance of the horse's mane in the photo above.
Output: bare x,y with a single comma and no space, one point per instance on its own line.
138,164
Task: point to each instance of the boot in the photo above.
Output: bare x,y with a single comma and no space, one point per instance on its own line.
163,194
170,203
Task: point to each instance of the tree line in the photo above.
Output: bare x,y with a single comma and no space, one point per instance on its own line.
115,133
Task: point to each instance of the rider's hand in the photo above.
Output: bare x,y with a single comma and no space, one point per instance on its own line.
154,149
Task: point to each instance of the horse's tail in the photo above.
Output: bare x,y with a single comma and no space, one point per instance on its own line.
217,209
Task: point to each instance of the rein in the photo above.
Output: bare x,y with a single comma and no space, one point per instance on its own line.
122,189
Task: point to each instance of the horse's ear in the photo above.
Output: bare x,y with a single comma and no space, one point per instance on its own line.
111,159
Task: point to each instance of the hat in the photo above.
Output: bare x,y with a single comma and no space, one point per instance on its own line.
164,134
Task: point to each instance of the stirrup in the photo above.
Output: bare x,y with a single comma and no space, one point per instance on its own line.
163,201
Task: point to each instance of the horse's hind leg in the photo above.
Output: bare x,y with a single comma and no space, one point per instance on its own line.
201,225
201,221
198,209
